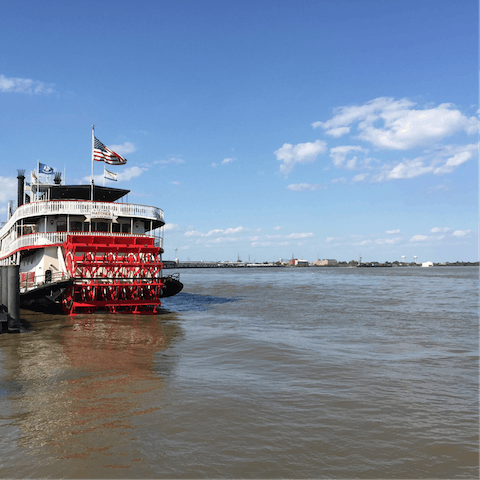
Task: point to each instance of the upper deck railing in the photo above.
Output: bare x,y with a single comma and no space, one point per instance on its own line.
83,207
37,240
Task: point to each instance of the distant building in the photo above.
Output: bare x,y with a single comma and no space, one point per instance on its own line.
302,263
325,263
427,264
293,262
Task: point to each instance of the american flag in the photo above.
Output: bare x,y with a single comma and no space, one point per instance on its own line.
103,154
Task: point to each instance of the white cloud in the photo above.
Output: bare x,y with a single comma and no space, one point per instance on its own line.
130,172
277,228
8,188
440,161
388,241
335,132
339,156
216,231
171,226
171,160
453,162
302,187
392,232
24,85
194,233
402,126
224,162
224,240
362,243
419,238
302,153
440,230
300,235
229,231
360,177
339,180
123,149
461,233
403,170
175,183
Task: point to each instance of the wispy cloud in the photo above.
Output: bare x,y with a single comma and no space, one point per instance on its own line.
339,156
8,187
123,148
360,177
461,233
171,227
224,162
303,187
419,238
393,232
170,161
24,85
216,231
302,153
439,162
300,235
440,229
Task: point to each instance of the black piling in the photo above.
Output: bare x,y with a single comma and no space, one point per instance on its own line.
10,299
3,308
13,302
4,299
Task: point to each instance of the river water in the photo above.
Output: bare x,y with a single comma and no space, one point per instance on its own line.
254,373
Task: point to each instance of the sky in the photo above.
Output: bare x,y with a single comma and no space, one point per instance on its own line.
264,129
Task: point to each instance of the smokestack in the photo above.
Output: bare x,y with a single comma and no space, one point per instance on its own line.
21,186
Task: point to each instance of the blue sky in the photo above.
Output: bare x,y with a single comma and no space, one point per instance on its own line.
323,129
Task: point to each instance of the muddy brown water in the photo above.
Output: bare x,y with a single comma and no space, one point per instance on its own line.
254,373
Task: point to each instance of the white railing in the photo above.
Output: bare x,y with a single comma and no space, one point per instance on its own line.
27,284
84,207
57,238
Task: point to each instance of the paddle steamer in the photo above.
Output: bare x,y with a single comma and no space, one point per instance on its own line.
83,248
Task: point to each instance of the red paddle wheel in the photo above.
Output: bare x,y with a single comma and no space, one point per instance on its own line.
113,273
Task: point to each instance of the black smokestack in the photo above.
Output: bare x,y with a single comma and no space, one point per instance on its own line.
21,186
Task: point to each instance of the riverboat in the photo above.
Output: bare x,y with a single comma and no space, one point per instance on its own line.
84,248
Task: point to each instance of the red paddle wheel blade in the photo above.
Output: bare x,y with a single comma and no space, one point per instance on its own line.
112,273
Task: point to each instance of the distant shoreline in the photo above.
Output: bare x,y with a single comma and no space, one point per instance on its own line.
167,264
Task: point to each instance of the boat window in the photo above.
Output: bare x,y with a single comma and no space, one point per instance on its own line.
48,276
126,228
100,227
115,227
61,226
76,226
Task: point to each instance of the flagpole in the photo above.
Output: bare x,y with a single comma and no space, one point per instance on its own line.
93,146
103,175
38,176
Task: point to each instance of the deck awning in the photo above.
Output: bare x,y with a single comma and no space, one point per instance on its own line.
84,192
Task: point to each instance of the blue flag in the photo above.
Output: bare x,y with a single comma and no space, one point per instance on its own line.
42,168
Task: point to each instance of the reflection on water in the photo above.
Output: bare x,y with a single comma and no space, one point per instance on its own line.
254,373
79,387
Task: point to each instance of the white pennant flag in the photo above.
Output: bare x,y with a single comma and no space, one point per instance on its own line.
109,175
